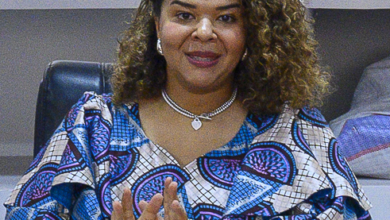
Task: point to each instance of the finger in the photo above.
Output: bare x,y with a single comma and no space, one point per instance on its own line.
167,182
172,194
127,205
167,198
152,208
177,211
172,191
117,213
142,205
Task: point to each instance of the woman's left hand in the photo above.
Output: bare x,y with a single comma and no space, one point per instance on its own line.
173,210
124,210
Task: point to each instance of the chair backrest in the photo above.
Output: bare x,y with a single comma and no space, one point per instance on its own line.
64,82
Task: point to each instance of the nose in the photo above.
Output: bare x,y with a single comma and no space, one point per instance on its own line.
204,30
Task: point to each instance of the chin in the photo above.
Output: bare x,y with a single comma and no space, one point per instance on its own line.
202,87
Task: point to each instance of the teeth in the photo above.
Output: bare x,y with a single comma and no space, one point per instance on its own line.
202,59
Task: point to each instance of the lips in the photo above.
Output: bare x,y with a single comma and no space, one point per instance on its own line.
203,59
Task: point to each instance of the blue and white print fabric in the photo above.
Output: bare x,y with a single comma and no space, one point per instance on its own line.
284,166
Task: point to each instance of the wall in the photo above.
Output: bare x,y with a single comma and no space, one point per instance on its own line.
68,4
349,41
29,40
347,4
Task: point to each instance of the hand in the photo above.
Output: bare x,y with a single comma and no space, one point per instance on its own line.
124,211
172,208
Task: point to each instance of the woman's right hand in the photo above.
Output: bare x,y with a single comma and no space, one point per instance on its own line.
124,210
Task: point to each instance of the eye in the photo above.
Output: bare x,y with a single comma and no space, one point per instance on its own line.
185,16
227,18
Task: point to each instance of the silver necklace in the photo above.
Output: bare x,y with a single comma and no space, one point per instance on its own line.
197,123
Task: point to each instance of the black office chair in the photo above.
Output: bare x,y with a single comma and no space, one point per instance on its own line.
63,83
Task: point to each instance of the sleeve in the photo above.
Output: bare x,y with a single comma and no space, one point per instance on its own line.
345,199
294,170
60,182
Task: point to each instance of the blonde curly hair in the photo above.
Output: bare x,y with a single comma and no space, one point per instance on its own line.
281,64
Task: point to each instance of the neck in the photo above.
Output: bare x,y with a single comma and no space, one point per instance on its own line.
199,102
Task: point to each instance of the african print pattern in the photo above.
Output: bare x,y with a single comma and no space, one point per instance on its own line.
285,166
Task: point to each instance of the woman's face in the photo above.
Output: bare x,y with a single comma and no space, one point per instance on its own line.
202,42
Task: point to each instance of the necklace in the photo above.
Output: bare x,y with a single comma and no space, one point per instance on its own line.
197,123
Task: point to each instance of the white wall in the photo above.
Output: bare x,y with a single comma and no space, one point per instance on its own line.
68,4
29,40
348,4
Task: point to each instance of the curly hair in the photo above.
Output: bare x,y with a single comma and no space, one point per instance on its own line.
281,65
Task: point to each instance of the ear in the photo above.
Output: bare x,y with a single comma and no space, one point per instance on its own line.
157,25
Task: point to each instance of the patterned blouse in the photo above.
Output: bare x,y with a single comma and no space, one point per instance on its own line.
282,166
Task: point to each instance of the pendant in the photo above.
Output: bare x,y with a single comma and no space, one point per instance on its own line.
196,123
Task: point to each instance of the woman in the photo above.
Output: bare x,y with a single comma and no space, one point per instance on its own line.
209,119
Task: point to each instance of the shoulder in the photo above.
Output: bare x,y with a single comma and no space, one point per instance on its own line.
101,102
306,117
91,99
305,114
92,105
292,123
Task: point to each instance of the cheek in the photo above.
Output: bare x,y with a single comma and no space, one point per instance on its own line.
173,35
235,41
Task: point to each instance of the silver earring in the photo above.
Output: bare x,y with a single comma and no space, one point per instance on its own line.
245,54
159,49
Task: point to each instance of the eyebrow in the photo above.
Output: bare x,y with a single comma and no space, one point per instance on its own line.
186,5
226,7
220,8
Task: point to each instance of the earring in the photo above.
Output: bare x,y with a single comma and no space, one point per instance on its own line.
159,49
245,54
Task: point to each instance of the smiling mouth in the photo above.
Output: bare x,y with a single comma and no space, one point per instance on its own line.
203,59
